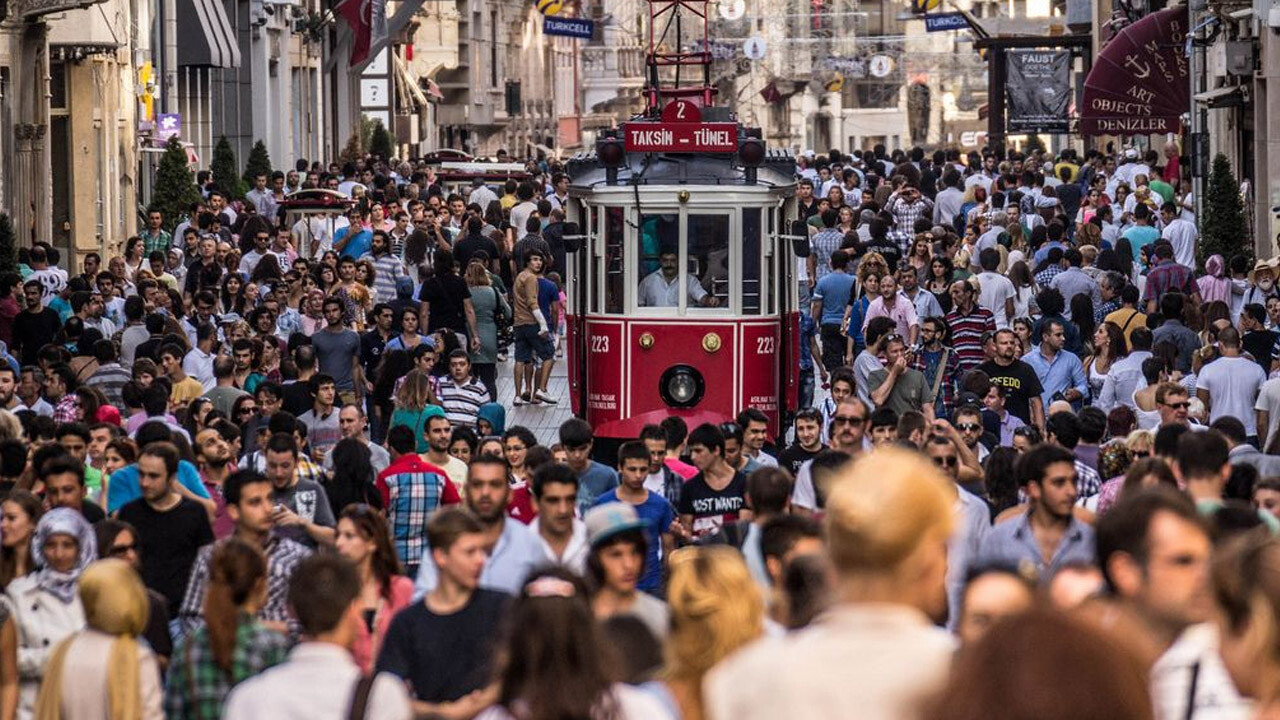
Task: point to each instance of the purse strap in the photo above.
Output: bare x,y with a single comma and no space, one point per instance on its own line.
360,697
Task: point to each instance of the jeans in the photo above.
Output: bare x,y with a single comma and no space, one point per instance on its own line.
806,389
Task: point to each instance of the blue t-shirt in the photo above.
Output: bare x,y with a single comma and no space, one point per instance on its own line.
593,482
358,247
855,317
658,515
834,290
1139,237
547,294
123,488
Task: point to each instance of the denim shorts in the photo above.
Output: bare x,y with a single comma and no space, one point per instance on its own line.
529,343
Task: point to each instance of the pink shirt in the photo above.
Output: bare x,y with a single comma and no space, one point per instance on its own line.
683,469
903,314
366,646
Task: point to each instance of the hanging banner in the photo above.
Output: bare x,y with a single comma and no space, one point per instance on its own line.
1039,90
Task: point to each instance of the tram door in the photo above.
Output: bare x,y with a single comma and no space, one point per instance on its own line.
579,293
785,288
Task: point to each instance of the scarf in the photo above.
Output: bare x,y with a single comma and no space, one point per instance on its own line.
63,521
1214,285
115,603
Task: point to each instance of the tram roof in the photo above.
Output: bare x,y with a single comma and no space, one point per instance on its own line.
645,169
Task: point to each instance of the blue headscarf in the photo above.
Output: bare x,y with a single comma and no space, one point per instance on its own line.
495,415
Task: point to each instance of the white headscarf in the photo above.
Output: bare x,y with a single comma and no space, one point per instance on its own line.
63,521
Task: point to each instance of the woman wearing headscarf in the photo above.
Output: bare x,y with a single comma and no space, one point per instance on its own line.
103,671
46,604
1215,284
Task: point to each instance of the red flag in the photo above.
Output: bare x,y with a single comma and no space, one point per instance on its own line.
368,23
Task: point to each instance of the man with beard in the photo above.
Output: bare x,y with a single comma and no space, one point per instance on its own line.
35,326
213,458
515,549
8,388
1154,553
171,528
1022,385
562,535
1048,536
848,427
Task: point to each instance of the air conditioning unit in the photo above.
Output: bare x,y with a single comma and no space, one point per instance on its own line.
1239,58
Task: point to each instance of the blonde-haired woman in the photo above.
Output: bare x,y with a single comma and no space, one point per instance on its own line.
1246,579
102,671
716,608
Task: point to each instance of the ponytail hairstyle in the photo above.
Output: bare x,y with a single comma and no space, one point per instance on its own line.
237,572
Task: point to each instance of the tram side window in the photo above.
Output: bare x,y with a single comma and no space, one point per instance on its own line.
708,239
658,261
751,268
614,269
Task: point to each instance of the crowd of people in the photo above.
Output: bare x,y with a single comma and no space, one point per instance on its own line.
257,470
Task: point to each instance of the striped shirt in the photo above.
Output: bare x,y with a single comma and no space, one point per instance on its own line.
111,379
387,269
461,402
966,336
412,490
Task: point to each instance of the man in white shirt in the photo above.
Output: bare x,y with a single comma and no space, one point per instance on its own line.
199,361
1180,234
1229,386
481,194
997,290
660,288
320,679
562,535
521,212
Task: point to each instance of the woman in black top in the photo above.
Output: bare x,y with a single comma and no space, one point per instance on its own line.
446,300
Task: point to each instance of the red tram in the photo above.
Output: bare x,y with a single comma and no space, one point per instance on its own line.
683,298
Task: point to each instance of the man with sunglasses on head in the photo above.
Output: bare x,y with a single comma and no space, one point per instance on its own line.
848,429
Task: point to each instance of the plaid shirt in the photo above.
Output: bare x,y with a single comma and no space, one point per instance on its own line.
160,241
196,686
945,401
412,490
1046,276
966,335
824,242
905,214
283,555
1168,277
1105,309
65,410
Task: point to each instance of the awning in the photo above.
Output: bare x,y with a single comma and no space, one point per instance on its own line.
205,37
405,84
1139,82
1229,96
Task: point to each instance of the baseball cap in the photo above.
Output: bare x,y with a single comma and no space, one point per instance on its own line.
605,521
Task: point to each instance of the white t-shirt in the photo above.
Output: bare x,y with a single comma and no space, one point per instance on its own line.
1269,400
996,288
1232,383
1182,235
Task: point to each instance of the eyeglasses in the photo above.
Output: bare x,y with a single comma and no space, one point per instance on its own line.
968,427
118,550
847,420
946,461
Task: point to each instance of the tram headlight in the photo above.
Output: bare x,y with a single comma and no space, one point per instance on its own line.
682,386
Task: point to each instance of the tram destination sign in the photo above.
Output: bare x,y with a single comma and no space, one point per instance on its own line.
681,137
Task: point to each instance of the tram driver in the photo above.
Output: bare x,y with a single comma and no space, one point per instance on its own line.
659,288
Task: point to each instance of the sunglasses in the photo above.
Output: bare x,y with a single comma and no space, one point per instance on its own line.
968,427
946,461
1178,405
1142,453
118,550
847,420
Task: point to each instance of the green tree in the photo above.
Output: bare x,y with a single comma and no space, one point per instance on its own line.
259,163
380,142
1223,230
225,169
175,187
8,255
353,151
